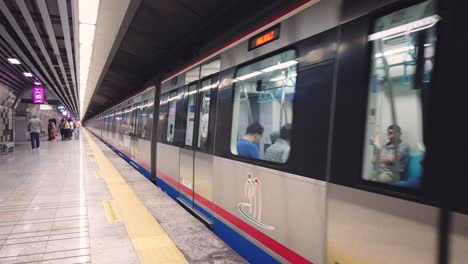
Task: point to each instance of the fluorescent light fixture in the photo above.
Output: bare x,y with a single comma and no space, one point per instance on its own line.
88,11
279,78
173,98
27,74
86,50
209,87
37,83
282,77
14,61
87,33
280,66
84,68
406,28
192,92
247,76
394,51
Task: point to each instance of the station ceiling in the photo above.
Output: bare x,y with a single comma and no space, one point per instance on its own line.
39,34
159,37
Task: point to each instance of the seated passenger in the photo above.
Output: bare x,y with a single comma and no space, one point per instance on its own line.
279,151
247,145
388,168
274,136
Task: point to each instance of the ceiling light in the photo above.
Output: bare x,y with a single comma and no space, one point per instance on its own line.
280,66
247,76
14,61
88,11
27,74
280,78
87,33
406,28
37,83
86,50
83,67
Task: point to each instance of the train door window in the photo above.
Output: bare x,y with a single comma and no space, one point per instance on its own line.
204,113
138,120
192,93
403,47
124,121
171,117
162,118
115,121
149,122
263,108
143,119
133,128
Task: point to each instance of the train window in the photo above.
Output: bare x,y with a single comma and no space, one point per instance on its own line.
171,117
263,108
204,114
192,92
403,47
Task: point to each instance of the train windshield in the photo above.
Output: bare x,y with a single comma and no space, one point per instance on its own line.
402,59
263,108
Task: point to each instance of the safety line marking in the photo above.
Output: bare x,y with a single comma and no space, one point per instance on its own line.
98,174
111,211
150,241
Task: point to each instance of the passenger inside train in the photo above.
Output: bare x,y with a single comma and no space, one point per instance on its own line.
391,160
247,145
264,92
279,151
397,89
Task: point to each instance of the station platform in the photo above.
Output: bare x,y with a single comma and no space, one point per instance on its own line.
79,202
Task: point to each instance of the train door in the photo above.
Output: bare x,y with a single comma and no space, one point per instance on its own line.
186,162
196,153
379,202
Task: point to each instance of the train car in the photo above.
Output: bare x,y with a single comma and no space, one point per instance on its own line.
307,139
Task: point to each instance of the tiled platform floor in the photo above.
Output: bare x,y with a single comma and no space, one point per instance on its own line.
51,210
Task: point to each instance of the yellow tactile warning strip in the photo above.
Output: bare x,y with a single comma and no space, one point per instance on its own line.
111,211
151,243
98,175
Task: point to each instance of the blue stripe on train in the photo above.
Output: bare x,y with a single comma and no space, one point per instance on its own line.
248,250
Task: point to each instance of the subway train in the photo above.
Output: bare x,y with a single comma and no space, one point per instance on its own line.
309,138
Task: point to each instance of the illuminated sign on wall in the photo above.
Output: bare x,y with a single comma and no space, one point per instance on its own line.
46,107
38,95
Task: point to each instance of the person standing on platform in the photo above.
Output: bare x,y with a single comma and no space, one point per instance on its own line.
51,130
66,129
34,128
62,128
77,129
72,128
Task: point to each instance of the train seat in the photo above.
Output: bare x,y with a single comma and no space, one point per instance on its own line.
413,177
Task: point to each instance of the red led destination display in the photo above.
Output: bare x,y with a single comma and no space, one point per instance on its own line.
264,38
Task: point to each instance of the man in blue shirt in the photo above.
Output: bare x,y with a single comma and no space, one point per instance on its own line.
247,145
